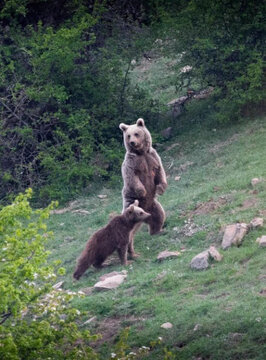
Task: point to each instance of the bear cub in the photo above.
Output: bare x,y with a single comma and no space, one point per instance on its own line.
114,236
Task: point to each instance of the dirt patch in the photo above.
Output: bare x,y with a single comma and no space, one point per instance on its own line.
222,144
209,206
249,203
189,229
108,328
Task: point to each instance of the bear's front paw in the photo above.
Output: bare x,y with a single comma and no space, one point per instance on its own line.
160,189
141,193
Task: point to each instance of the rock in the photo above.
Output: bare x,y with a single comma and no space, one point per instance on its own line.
177,178
256,223
81,211
90,320
255,181
214,253
113,273
58,285
167,133
110,281
161,275
167,325
200,261
167,254
236,337
234,234
196,327
102,196
88,290
262,241
263,293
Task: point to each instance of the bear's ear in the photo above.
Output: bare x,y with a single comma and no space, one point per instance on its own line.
131,209
140,122
123,127
136,203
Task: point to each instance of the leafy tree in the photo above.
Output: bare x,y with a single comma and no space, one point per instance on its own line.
64,90
223,41
36,318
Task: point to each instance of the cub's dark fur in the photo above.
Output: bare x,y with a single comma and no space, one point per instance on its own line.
114,236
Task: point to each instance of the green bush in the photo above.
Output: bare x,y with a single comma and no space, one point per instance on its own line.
224,44
37,320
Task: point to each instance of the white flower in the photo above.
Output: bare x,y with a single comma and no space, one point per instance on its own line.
113,355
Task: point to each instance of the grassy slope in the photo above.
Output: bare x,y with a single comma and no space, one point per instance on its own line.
225,299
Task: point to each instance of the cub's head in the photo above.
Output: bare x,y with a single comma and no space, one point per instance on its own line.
135,213
137,138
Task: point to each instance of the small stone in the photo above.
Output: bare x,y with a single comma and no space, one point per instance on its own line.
113,273
234,234
214,253
102,196
88,290
200,261
177,178
90,320
167,325
261,241
167,254
263,292
235,336
81,211
58,285
161,275
110,281
196,327
256,223
255,181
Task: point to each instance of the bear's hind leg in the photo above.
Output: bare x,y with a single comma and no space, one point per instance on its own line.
157,218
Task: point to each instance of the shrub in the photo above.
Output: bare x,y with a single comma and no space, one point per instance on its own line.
37,320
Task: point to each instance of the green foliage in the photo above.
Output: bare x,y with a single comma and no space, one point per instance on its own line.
64,90
224,44
36,320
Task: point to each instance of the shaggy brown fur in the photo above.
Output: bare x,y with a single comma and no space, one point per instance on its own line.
114,236
143,176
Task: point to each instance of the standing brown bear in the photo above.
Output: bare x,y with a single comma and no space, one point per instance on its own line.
114,236
143,175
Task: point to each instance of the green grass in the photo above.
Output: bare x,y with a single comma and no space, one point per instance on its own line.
223,300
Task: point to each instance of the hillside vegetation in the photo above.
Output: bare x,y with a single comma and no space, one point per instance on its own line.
218,313
71,71
67,81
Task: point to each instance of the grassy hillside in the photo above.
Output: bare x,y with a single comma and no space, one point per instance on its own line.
216,314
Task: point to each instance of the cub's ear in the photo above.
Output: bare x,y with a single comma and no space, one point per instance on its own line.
140,122
131,209
123,127
136,203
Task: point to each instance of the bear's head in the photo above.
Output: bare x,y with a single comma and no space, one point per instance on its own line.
137,138
136,213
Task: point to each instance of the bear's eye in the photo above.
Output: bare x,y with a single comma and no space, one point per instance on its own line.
128,136
141,213
137,135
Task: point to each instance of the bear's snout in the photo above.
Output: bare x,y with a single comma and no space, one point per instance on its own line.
132,143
